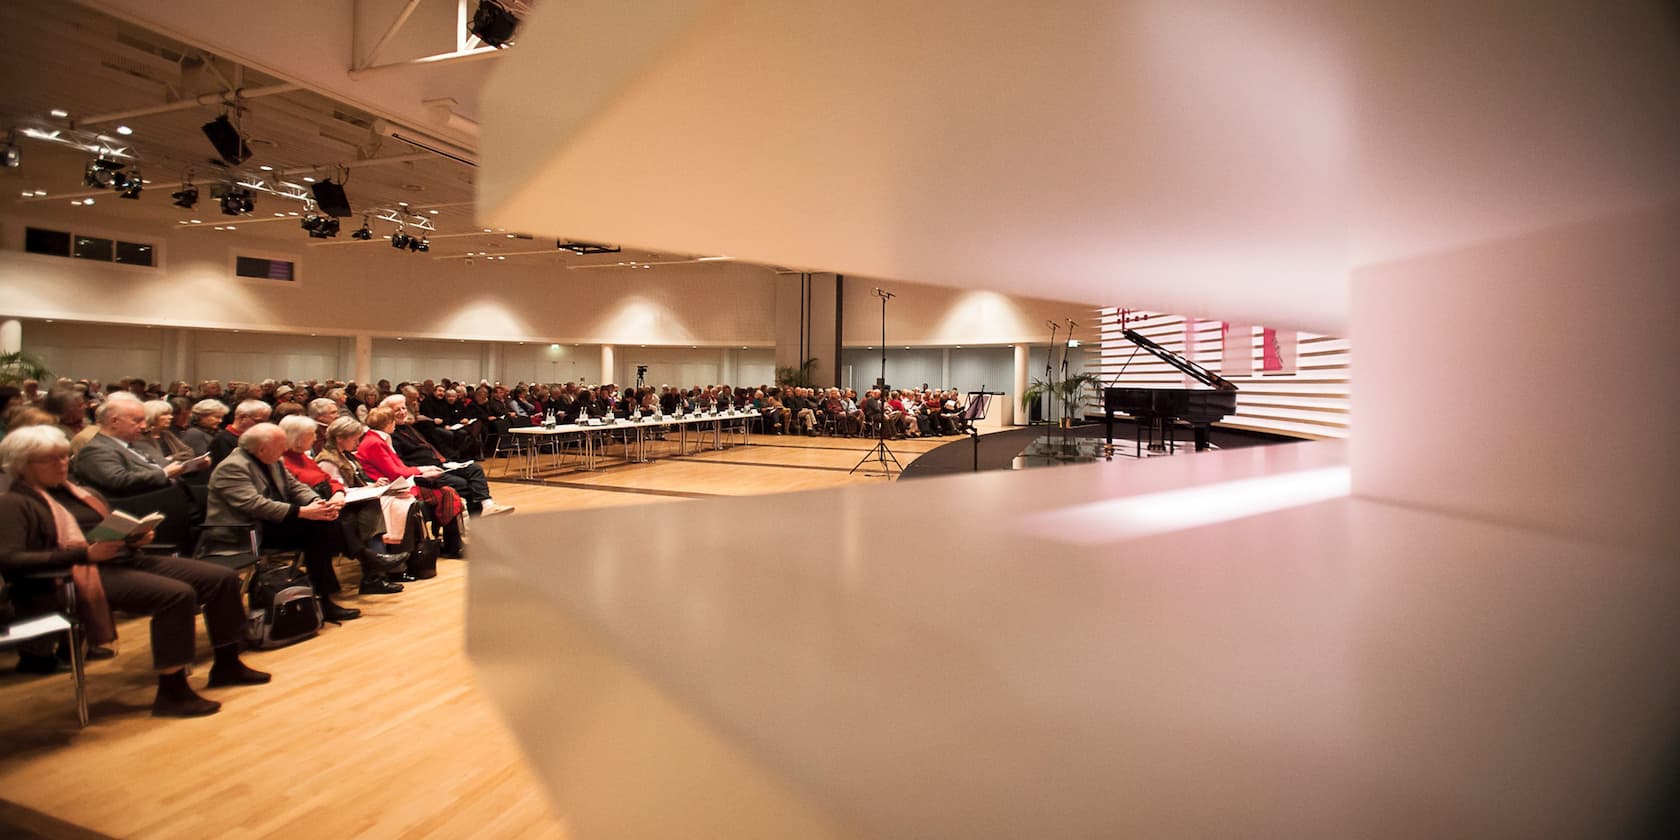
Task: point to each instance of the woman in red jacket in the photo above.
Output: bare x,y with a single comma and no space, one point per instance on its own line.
380,461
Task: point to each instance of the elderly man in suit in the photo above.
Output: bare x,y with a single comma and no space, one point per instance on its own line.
109,462
250,488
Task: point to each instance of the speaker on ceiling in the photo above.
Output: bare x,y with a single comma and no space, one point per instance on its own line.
331,199
229,145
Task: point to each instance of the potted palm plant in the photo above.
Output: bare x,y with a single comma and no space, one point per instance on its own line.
1069,393
18,366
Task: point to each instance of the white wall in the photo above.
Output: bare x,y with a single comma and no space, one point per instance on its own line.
940,317
1529,381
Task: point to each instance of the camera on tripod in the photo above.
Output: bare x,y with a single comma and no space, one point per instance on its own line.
641,375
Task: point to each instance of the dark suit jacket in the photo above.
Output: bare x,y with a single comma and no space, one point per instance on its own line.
222,445
413,449
108,466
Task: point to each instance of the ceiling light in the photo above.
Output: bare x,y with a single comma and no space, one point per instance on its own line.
364,233
185,197
420,245
60,113
266,168
486,230
281,215
236,201
331,199
11,155
197,221
132,191
399,240
319,226
41,193
402,204
124,130
87,201
309,179
493,24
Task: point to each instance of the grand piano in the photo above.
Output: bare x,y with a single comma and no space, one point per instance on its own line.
1157,409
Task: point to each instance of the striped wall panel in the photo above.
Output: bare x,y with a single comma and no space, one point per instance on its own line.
1312,402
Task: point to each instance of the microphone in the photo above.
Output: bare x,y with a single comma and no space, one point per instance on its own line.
1072,323
1054,325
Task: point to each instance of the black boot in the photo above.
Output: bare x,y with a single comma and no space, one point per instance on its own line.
228,670
176,699
336,614
452,540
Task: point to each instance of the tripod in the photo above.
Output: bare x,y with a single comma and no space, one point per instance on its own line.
880,452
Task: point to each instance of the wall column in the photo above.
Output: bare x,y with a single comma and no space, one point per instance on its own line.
364,358
607,365
1013,414
491,361
726,370
11,336
183,357
944,368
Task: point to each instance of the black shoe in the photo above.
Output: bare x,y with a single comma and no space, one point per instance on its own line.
98,652
37,663
236,674
385,562
378,586
401,577
176,699
337,614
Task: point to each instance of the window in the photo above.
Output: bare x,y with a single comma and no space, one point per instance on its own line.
133,253
83,246
91,248
42,241
262,268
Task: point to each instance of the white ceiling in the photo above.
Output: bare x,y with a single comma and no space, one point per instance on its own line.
1222,160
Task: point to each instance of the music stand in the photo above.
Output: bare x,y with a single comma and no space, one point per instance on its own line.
978,402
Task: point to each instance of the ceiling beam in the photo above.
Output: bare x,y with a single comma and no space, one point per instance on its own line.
225,97
390,32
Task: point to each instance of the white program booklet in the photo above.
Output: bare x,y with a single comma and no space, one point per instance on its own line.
121,525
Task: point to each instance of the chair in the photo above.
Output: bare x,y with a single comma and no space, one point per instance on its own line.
61,620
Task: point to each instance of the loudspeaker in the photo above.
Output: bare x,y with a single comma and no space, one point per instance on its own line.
331,199
229,145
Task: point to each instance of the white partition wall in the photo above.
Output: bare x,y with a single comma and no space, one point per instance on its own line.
410,359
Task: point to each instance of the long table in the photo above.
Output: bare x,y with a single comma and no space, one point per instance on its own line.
717,423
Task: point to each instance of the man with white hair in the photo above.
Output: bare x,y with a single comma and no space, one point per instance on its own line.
323,411
109,462
250,488
469,482
245,415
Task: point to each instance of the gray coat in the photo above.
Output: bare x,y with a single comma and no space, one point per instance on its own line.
108,466
240,498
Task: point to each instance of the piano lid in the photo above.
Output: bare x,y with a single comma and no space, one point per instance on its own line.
1201,374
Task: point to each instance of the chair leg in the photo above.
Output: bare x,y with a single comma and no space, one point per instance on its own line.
79,674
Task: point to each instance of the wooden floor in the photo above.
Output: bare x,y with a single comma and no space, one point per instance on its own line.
373,729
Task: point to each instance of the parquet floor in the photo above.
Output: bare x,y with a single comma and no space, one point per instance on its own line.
373,729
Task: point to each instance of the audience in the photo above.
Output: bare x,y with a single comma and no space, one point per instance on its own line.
43,520
111,463
206,420
158,440
362,523
468,480
246,414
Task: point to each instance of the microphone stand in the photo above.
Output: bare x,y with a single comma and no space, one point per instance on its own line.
1049,369
880,452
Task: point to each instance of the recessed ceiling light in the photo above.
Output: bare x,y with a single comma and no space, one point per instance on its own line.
124,130
281,215
433,212
312,180
28,193
510,236
41,192
75,202
229,227
218,227
486,230
266,168
402,204
291,213
554,347
60,113
87,201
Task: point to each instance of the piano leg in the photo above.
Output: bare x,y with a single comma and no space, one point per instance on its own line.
1201,432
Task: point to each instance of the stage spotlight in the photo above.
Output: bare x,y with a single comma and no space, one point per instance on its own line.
237,202
420,245
10,155
319,226
225,138
186,197
493,24
363,233
399,240
132,191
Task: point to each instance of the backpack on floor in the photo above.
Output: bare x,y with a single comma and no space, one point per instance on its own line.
283,608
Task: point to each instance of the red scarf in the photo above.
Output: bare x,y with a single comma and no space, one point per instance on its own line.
90,588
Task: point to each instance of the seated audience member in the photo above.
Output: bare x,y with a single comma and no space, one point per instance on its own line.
468,481
323,411
250,488
43,521
363,523
246,414
10,398
380,462
32,394
434,405
404,512
157,439
206,420
180,408
896,411
70,408
848,421
110,462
